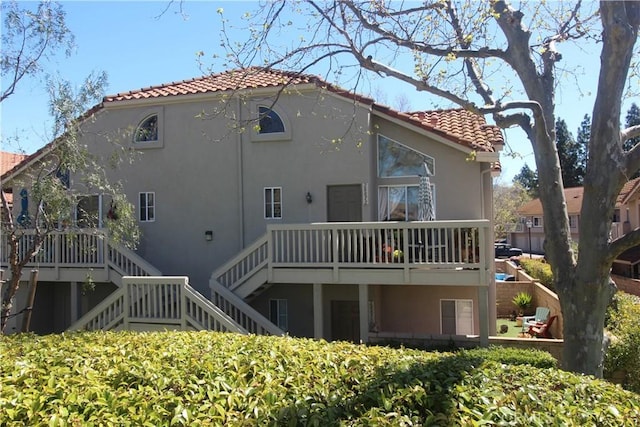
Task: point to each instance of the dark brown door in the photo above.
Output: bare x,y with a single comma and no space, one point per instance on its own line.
345,321
345,203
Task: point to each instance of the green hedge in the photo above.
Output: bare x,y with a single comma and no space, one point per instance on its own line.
540,270
206,378
623,355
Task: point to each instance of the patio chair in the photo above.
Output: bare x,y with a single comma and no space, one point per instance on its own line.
542,331
541,316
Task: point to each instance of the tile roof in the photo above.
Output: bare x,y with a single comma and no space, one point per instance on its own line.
572,195
458,125
9,160
629,189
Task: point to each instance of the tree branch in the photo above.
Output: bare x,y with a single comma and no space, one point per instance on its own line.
623,243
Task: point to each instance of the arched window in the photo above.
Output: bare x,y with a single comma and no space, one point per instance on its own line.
147,130
270,121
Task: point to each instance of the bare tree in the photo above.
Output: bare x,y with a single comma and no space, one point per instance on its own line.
493,59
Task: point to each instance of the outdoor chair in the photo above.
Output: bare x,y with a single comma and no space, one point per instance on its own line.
542,331
541,316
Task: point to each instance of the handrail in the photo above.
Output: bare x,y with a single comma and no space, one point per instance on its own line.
241,312
109,313
242,266
159,300
128,263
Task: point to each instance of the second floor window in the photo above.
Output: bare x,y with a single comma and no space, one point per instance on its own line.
147,130
270,121
147,207
273,202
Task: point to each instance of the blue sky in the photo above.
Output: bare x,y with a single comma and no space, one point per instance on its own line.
139,48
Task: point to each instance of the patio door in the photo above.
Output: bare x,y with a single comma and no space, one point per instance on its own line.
344,203
345,321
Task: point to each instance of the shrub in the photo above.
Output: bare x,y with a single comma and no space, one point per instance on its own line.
208,378
539,270
623,355
522,300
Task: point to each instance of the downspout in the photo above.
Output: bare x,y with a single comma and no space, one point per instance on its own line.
240,174
493,311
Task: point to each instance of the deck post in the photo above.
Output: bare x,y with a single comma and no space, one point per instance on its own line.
363,306
483,315
74,303
317,311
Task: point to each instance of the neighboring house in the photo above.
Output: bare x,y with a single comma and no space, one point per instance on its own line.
529,232
626,218
289,210
7,162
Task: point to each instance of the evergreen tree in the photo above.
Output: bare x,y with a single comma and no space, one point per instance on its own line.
528,179
632,119
571,155
584,133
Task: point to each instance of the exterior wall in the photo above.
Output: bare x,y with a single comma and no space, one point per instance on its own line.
625,284
416,309
202,184
299,305
459,190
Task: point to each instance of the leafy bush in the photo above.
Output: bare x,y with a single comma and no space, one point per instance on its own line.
623,355
540,270
522,300
207,378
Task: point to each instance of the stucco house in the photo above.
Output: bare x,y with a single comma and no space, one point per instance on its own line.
626,218
274,202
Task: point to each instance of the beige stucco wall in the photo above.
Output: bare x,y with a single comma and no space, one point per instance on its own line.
416,309
207,176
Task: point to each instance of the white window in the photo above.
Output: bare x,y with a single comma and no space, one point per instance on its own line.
272,202
456,316
278,313
401,202
147,206
537,221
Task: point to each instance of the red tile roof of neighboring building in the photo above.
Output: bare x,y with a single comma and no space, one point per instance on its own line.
573,196
629,189
9,160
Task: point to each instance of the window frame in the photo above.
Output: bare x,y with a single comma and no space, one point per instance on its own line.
429,160
272,204
281,316
457,302
147,206
142,118
256,136
537,222
406,192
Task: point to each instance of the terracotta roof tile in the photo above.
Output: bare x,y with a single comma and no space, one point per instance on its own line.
573,196
628,190
458,125
9,160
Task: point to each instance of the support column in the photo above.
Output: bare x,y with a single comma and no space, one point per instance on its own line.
74,303
483,315
317,311
363,306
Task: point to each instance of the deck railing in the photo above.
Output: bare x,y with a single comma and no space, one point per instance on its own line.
160,301
438,244
396,245
80,248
